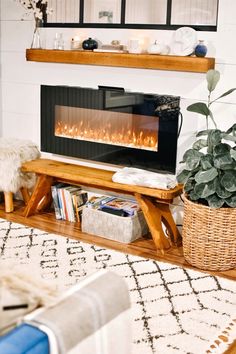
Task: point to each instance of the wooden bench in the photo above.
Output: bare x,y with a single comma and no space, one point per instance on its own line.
153,202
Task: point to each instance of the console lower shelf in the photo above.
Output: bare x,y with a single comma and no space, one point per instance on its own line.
139,61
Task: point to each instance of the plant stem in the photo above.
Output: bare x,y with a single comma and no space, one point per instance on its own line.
208,106
213,120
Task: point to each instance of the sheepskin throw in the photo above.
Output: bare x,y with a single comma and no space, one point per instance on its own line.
135,176
13,152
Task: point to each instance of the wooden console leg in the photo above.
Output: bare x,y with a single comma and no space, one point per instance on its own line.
41,190
153,218
169,223
46,202
25,195
9,206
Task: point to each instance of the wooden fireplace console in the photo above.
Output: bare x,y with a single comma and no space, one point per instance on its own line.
153,202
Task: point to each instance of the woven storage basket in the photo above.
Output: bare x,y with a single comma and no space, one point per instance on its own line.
209,236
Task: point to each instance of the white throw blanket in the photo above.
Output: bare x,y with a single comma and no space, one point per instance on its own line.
91,317
135,176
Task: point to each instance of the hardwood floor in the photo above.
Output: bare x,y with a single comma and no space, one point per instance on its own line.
143,247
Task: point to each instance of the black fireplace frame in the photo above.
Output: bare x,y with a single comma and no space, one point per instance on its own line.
166,107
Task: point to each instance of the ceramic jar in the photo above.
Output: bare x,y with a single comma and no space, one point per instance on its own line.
155,48
200,49
89,44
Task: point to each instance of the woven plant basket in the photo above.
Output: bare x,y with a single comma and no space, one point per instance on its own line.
209,236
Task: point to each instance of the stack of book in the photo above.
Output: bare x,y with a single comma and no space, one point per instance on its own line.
114,205
68,201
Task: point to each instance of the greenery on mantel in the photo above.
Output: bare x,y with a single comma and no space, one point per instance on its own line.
209,175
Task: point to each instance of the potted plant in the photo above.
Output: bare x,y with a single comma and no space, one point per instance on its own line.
209,179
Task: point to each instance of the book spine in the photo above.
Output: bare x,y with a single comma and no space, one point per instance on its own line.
69,206
79,200
56,202
61,204
64,206
75,207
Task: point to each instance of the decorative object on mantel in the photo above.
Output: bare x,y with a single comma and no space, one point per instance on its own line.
75,43
58,42
89,44
209,177
134,46
39,9
155,48
184,41
114,47
136,176
200,49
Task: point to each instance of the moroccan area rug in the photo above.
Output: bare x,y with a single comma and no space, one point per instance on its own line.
174,310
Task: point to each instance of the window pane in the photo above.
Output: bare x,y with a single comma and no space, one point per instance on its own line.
146,11
64,11
194,12
102,11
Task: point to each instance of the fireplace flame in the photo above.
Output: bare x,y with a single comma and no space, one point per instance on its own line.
114,128
142,140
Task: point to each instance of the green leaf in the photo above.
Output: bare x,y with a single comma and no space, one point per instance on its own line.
189,185
231,201
222,160
222,192
206,176
232,129
199,144
215,202
228,137
230,166
225,94
206,162
192,159
203,190
193,196
203,132
228,181
214,137
221,149
191,153
213,77
199,107
233,153
183,176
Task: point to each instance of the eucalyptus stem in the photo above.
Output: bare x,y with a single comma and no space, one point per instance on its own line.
214,122
208,106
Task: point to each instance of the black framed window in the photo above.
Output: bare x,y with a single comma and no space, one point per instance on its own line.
149,14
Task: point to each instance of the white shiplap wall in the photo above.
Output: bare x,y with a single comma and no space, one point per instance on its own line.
20,80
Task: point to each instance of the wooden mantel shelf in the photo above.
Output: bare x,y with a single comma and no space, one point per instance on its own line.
141,61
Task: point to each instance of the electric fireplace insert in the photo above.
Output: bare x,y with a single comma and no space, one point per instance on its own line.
111,125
